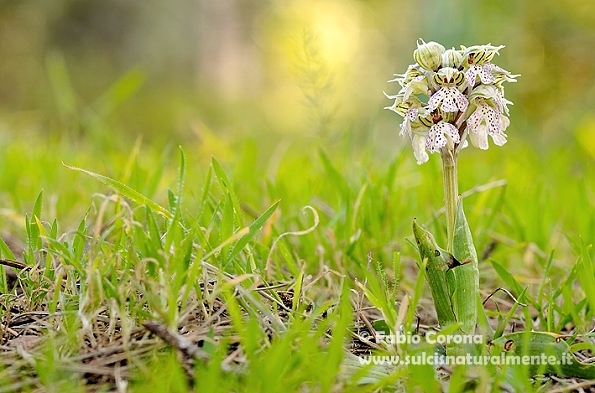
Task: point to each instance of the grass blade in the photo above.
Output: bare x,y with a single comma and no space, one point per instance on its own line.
253,229
126,191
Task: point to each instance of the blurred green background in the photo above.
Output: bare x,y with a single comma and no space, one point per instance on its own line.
254,82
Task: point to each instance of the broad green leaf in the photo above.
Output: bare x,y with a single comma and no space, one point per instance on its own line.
464,280
540,344
435,271
380,325
463,247
411,310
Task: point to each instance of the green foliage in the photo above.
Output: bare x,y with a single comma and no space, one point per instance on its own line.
130,258
134,259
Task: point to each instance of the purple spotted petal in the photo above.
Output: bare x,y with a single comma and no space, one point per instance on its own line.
436,99
485,113
471,75
449,104
452,100
434,140
485,75
494,68
487,121
484,71
410,116
450,130
437,136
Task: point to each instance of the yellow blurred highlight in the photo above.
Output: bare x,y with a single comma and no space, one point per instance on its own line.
336,26
313,51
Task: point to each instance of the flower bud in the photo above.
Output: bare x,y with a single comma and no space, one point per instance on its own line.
479,54
452,58
428,55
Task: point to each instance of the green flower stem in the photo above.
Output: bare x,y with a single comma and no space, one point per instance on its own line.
451,193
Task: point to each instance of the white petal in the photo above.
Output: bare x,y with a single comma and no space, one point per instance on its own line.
442,129
436,139
450,100
482,137
504,123
499,139
462,102
485,75
485,114
430,140
475,119
473,138
493,67
405,127
419,148
451,131
453,100
436,99
492,120
471,75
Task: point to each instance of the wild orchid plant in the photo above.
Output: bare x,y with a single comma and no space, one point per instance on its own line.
447,98
465,100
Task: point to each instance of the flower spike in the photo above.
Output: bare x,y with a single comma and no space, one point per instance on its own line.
449,96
